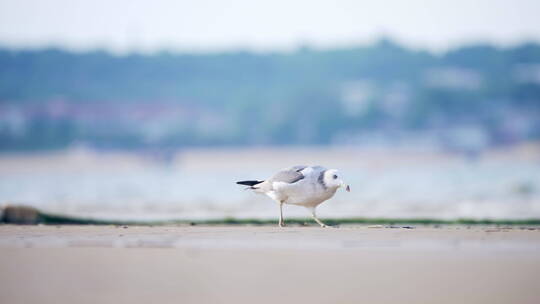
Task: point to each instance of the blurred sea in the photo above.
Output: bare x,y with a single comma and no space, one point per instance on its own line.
200,183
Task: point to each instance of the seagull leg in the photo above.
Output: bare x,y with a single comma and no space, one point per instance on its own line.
281,221
314,216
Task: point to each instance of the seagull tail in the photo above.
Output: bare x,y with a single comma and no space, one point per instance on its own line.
249,183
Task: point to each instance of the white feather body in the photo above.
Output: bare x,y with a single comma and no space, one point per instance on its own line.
308,192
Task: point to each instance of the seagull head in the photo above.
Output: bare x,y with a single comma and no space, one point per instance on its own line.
333,179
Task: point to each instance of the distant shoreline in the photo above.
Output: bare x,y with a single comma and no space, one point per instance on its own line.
32,216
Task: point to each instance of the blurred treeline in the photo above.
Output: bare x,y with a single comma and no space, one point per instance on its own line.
471,97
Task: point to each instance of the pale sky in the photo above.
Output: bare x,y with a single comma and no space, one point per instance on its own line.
146,26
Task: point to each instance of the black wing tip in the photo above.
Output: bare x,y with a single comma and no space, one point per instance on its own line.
249,182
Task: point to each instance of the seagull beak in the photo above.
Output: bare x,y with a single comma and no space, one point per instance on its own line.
348,188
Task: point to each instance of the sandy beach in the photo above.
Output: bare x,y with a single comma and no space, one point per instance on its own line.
248,264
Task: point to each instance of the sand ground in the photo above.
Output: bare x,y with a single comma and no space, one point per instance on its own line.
356,264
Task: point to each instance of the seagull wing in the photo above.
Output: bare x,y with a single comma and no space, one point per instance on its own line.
297,168
287,176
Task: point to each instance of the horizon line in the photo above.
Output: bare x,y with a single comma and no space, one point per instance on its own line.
264,51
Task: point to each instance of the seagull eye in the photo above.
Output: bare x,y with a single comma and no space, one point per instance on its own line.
335,176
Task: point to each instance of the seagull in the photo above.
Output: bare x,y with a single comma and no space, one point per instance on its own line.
306,186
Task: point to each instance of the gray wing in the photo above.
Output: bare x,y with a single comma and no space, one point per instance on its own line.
287,176
297,168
